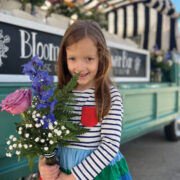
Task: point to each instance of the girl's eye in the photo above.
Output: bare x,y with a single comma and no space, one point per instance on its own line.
89,59
71,58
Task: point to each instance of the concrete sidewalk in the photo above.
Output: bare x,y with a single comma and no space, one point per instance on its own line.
151,157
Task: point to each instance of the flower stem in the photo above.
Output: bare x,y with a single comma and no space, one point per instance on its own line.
51,161
51,158
22,115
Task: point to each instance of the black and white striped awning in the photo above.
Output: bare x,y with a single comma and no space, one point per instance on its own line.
154,20
163,6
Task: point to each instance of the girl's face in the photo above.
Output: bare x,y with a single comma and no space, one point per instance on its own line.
82,57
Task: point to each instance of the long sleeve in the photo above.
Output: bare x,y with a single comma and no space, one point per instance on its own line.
111,127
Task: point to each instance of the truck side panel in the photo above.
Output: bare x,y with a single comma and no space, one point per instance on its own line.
148,109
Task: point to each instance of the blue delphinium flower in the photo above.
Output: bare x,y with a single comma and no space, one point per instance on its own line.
48,80
49,119
156,47
167,56
40,76
37,61
37,87
40,79
42,105
53,103
45,95
29,69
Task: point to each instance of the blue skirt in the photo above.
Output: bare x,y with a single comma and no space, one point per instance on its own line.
116,170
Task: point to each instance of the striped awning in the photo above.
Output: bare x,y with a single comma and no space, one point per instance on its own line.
163,6
154,21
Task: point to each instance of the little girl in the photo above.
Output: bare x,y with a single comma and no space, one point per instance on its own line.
99,107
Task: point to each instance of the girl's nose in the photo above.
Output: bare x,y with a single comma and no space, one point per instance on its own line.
80,66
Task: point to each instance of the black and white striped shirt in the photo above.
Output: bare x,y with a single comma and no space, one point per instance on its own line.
104,137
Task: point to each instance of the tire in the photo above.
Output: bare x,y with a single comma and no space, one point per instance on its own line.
172,131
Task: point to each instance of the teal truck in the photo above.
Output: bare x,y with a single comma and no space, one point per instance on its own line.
147,106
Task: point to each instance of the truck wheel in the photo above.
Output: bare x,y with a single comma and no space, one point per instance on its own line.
172,131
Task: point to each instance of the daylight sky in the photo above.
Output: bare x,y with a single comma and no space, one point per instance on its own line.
176,4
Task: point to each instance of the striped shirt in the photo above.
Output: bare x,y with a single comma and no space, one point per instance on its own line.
103,137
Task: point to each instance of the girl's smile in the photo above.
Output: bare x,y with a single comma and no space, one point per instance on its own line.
83,75
82,58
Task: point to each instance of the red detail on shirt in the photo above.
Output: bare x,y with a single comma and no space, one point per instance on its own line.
88,116
40,178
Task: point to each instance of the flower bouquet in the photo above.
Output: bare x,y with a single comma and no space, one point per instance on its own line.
45,118
161,63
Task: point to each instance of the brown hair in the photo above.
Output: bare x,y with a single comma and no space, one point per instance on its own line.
76,32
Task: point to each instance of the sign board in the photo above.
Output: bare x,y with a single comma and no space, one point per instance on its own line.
21,39
129,64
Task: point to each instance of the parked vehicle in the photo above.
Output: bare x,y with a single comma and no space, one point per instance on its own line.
147,106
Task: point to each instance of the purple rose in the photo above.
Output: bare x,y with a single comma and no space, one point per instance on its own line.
17,102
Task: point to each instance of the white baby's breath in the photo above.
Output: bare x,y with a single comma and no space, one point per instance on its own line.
20,128
67,131
63,128
59,133
20,145
38,115
51,142
34,112
46,148
18,152
33,116
55,130
51,127
42,140
14,139
49,135
30,145
37,125
8,142
19,132
25,146
14,145
11,137
37,139
10,147
8,154
27,135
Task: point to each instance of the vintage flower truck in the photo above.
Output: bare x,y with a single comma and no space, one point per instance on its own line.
147,105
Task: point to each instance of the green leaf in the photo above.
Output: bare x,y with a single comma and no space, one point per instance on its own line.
30,162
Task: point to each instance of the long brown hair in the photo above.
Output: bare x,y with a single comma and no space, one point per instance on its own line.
76,32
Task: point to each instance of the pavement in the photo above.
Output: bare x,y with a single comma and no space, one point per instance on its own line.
152,157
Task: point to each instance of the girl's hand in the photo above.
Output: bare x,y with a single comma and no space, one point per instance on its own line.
48,172
64,176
